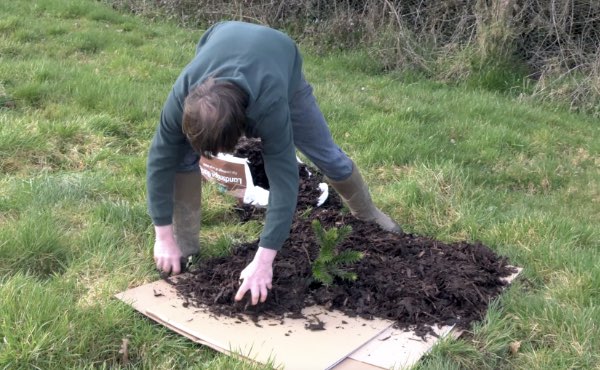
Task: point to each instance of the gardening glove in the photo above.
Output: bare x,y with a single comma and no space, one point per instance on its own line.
166,251
257,276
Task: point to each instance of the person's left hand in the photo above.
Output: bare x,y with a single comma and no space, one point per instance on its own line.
257,276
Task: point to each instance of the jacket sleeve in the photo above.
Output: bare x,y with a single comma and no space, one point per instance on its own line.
166,152
281,167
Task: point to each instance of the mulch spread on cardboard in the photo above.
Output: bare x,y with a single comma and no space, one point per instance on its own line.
412,280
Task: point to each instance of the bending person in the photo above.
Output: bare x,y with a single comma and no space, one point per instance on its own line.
245,79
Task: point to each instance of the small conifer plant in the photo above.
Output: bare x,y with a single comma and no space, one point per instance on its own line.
329,263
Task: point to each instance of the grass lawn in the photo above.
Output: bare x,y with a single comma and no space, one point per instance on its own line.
81,88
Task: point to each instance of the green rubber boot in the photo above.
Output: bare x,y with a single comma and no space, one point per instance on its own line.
355,194
187,197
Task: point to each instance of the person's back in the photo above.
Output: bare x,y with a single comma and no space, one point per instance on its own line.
264,62
244,79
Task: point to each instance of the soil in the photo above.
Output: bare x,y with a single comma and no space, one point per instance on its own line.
412,280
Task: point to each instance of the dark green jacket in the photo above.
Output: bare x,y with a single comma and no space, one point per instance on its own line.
268,66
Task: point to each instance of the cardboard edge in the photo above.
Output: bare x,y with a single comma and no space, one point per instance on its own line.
189,335
335,365
350,363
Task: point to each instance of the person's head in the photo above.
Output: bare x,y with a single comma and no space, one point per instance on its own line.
214,117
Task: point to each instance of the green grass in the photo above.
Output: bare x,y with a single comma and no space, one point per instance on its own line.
81,88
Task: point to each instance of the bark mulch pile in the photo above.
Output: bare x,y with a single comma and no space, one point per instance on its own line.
411,280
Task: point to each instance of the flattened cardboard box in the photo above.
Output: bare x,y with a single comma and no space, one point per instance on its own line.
347,343
284,343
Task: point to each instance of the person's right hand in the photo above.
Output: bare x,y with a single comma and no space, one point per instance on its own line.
257,276
166,251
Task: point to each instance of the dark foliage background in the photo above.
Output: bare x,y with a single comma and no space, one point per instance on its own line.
543,49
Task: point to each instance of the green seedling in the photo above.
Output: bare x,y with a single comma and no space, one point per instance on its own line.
306,213
329,263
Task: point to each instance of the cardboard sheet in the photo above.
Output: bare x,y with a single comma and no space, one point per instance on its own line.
346,344
284,343
397,349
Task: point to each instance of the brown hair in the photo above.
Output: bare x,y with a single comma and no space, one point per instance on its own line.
214,116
